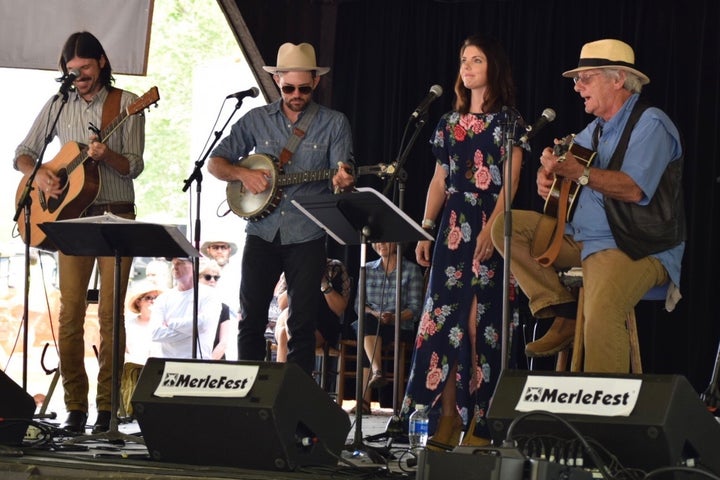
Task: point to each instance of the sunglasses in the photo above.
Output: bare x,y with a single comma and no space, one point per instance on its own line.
219,246
209,277
149,298
305,89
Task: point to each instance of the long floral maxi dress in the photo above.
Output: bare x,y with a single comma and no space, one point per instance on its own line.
469,147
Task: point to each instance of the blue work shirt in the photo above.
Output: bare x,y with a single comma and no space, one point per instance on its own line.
654,143
266,130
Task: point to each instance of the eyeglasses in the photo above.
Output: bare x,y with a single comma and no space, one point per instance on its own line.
219,246
209,277
149,298
304,90
585,79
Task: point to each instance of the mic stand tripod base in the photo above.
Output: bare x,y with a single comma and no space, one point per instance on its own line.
365,454
393,431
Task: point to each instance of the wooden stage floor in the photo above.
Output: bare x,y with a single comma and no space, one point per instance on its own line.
102,459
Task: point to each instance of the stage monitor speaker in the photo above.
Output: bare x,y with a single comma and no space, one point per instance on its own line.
668,425
285,421
16,411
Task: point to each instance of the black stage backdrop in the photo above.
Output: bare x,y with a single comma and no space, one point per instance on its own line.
385,54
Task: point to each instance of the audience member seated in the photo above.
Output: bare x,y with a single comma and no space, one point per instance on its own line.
138,341
157,271
379,311
172,315
228,285
334,297
225,345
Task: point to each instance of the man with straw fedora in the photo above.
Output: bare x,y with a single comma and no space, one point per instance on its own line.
627,232
298,135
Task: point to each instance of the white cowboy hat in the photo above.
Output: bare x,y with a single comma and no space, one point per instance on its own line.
296,58
139,290
608,53
204,247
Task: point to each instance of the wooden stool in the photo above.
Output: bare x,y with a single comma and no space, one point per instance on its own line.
348,358
573,279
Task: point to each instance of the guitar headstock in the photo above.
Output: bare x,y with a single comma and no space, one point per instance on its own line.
564,145
149,98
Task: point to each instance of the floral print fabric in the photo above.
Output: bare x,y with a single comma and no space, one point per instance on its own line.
469,148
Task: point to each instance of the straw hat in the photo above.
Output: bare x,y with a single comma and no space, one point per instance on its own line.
206,245
608,53
296,58
139,290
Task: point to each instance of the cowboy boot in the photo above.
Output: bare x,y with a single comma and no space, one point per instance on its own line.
447,434
558,337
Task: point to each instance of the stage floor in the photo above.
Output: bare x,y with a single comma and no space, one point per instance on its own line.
102,459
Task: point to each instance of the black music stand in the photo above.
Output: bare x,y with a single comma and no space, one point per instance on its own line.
112,236
358,218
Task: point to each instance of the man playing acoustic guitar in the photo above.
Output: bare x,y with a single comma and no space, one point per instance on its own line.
102,183
628,229
298,136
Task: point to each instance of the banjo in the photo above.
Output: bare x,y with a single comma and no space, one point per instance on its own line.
254,207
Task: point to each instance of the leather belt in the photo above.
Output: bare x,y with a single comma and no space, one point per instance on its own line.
116,208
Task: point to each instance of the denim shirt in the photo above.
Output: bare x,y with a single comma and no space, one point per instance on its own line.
654,143
266,130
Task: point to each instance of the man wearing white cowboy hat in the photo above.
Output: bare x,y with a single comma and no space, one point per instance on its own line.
299,136
635,174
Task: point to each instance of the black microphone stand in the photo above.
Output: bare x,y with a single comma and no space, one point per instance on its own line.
398,179
509,123
197,176
23,206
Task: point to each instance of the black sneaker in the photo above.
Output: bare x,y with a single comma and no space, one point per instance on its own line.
75,422
102,423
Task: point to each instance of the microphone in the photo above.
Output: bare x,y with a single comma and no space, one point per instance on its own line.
547,116
435,92
67,81
250,92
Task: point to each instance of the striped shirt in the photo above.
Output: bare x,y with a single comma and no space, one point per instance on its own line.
72,126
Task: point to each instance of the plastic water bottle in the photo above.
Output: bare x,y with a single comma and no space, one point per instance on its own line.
418,427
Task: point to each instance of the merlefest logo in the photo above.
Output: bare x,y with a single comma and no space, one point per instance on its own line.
580,396
181,380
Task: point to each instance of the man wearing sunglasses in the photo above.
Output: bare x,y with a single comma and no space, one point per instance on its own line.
285,240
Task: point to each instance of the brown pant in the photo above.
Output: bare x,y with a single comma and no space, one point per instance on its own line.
75,272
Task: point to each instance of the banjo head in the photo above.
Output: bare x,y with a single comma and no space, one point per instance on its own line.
254,206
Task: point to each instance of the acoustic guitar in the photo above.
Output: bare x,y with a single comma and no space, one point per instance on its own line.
254,207
563,191
559,205
79,179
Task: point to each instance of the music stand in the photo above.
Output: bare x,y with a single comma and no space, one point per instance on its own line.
358,218
111,236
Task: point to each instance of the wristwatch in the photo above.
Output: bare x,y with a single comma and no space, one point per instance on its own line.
585,177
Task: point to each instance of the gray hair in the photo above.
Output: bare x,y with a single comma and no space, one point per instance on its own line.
632,81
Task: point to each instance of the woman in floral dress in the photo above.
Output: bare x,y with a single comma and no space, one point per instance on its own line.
457,354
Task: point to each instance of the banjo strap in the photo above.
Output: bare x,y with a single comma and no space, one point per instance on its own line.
298,133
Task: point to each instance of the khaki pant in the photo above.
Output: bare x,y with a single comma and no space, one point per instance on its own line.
75,272
613,282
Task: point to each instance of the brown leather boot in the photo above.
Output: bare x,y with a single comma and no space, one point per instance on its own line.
559,337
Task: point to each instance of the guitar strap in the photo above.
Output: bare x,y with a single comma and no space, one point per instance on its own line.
550,230
111,107
298,133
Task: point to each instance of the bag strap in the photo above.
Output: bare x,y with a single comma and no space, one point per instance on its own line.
111,107
298,133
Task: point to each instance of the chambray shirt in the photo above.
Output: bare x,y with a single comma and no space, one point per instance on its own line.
266,130
653,144
380,288
128,140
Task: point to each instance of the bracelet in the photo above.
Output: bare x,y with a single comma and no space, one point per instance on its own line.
428,224
326,290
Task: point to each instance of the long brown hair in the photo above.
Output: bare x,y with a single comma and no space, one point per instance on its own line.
500,89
